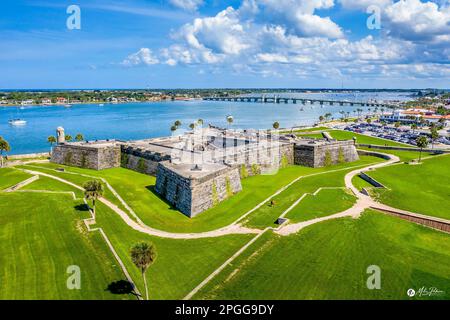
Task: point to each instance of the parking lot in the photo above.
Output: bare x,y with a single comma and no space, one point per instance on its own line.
402,134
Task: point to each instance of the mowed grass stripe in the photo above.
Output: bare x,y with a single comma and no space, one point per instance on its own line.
329,261
10,177
181,264
41,236
422,188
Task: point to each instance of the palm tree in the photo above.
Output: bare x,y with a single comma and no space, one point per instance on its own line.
422,142
321,118
177,123
230,119
93,189
68,137
143,254
4,146
51,140
200,122
79,137
173,128
434,135
276,125
414,127
192,126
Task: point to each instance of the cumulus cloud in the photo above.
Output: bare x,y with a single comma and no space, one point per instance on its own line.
364,4
189,5
282,37
143,57
417,20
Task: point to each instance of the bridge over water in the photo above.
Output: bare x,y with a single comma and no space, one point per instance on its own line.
279,99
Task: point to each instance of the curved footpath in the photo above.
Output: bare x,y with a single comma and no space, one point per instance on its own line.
363,202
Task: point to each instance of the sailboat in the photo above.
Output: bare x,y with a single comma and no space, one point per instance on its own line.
17,121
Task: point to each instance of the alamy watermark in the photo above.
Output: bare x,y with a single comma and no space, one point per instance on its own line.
374,280
200,148
374,20
73,22
74,280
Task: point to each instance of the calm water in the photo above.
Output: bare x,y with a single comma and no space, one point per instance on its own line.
144,120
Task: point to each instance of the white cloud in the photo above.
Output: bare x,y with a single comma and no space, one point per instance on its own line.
417,20
143,57
288,37
221,34
189,5
364,4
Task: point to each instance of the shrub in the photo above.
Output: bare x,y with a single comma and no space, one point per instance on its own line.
83,160
124,160
284,161
328,161
256,169
244,172
341,157
142,166
68,158
228,187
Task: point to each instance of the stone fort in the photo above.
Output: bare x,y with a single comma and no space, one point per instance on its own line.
200,168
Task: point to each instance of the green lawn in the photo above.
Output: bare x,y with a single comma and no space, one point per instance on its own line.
325,203
307,130
311,135
138,191
180,265
10,177
404,155
329,261
49,184
41,235
79,180
360,183
267,214
360,138
423,188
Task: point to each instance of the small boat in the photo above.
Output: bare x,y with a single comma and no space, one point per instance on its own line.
301,109
17,122
101,105
67,106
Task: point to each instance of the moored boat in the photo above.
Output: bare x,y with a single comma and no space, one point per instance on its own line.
17,122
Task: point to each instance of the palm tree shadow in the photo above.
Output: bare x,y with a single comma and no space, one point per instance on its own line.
121,287
82,207
153,190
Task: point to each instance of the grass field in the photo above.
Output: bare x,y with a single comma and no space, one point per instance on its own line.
45,183
329,261
325,203
404,155
10,177
423,188
181,264
138,191
40,236
267,214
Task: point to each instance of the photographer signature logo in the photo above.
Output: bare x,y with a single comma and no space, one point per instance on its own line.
424,292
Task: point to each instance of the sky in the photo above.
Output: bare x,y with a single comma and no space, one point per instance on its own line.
224,44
